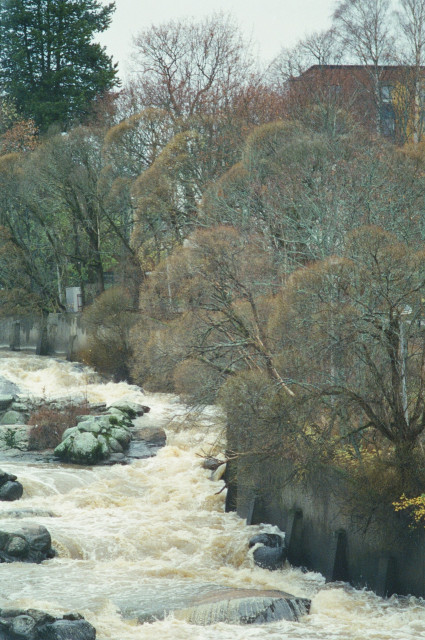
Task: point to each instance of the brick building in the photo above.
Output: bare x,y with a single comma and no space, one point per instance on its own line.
386,99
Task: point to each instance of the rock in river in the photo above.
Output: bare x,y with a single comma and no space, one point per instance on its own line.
94,439
8,388
28,543
10,488
17,624
271,551
245,606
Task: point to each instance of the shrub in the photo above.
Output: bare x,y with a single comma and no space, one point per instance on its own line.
49,425
108,321
262,419
196,382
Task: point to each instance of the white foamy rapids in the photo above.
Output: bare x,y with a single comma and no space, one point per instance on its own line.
141,539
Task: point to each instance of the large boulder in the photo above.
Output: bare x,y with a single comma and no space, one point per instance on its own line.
245,606
94,439
146,442
6,399
12,417
132,409
7,387
14,436
17,624
10,488
267,539
28,543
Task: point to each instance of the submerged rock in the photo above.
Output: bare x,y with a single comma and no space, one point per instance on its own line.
245,606
154,436
28,543
16,624
27,513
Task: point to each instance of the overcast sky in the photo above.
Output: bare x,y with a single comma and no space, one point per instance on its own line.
272,24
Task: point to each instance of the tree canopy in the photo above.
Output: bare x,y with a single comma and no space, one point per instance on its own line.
48,63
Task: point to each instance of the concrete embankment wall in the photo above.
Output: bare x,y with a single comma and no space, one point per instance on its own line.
59,333
326,531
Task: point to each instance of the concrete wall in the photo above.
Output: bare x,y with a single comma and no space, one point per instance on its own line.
59,333
325,532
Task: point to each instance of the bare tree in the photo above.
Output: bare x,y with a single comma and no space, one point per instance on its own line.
411,19
354,326
186,67
365,31
320,47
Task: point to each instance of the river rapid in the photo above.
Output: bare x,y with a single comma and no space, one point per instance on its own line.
139,539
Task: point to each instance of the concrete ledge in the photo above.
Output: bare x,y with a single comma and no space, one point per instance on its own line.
59,333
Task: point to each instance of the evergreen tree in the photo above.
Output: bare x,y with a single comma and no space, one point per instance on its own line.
48,63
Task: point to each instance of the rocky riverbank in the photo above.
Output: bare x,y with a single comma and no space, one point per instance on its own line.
80,433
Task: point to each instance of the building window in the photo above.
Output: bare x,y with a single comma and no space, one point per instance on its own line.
386,93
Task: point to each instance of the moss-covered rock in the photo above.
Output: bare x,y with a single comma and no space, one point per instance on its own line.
14,436
131,409
12,417
94,439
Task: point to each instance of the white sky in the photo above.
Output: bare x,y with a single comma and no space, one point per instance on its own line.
271,24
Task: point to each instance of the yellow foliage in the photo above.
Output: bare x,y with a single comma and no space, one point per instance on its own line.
414,506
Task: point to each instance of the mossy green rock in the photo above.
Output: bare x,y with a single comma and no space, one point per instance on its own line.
82,448
69,432
14,436
94,440
90,426
114,411
131,409
121,434
12,417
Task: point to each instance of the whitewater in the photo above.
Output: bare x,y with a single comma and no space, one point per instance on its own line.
136,540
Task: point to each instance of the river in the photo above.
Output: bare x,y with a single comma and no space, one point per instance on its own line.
135,540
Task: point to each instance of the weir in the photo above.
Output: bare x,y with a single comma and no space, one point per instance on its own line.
141,542
57,333
327,531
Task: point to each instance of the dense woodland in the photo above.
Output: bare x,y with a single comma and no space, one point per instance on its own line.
266,253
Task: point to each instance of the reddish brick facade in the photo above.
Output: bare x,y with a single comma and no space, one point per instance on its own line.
383,99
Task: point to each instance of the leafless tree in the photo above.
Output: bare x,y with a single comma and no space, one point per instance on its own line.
320,47
188,66
411,20
365,30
